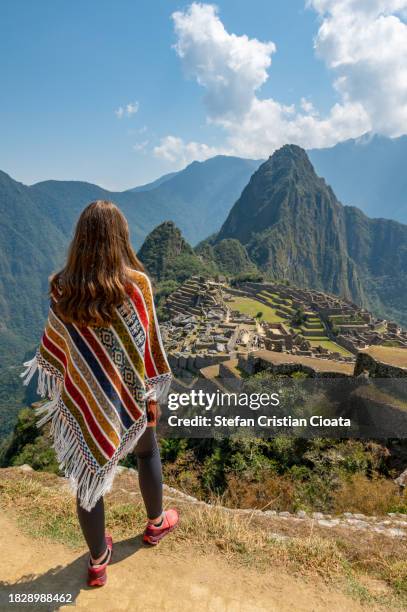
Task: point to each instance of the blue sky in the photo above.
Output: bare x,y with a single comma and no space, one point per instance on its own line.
69,70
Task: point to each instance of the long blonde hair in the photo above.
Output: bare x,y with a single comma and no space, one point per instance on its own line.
94,279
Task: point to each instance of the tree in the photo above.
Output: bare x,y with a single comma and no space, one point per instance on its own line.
298,317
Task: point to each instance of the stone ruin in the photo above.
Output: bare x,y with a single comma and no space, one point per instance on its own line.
197,296
204,330
352,327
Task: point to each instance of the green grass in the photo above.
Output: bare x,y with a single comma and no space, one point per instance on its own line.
251,307
273,296
290,312
316,331
328,344
324,342
344,320
266,296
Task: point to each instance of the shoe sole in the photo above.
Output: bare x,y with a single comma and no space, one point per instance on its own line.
99,582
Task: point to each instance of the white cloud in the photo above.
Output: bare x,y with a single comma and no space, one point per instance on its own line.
181,153
127,110
230,67
308,107
269,125
140,146
364,43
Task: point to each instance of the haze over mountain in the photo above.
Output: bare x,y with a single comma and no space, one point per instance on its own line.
156,183
197,198
369,172
294,227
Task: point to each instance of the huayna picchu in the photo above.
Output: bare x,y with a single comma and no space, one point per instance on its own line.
295,229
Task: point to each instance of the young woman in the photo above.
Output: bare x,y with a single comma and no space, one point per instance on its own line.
102,364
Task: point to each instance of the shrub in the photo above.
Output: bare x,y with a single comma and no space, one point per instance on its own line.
359,493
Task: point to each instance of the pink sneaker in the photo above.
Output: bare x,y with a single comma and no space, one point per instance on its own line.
97,576
153,535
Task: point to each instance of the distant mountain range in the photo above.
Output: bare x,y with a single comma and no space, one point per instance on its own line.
367,172
197,199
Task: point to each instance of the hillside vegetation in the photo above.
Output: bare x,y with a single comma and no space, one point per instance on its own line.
283,473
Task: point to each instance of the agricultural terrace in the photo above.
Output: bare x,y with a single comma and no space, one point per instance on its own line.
329,345
251,307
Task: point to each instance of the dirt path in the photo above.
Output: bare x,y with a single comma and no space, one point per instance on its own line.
144,579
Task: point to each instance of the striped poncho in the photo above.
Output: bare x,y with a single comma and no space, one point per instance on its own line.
98,381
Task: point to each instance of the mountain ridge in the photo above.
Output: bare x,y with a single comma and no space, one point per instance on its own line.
194,198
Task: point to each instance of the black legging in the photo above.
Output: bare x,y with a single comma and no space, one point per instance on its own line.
150,480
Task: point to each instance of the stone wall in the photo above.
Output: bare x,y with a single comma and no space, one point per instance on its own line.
194,363
377,369
376,414
254,364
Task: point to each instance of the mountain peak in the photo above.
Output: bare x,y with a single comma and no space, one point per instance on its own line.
162,245
290,152
276,189
168,235
289,158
